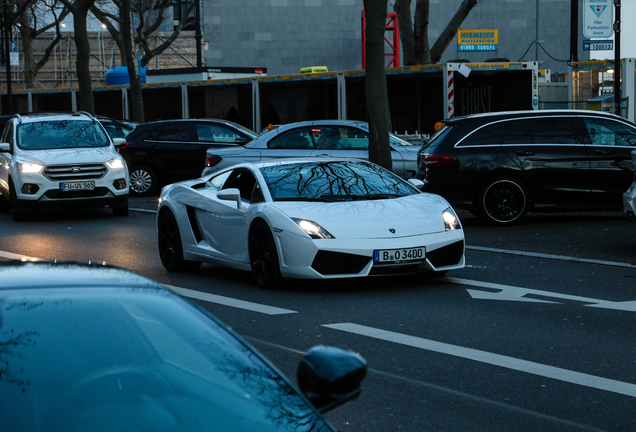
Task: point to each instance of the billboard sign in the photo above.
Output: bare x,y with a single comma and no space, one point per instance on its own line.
477,40
598,18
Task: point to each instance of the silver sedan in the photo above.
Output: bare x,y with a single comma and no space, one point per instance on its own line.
325,138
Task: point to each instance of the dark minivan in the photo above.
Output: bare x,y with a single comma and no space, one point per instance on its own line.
162,152
502,165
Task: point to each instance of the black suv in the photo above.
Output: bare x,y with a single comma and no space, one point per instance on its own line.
502,165
168,151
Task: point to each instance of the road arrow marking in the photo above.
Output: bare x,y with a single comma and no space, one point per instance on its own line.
511,293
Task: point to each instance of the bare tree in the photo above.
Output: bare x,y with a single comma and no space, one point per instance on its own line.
150,14
30,23
414,33
79,9
376,89
131,41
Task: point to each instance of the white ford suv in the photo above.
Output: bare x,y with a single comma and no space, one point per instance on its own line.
60,160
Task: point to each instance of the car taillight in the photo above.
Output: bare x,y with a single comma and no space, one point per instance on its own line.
212,160
435,160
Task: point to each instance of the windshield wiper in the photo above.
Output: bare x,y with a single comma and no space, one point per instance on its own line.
361,197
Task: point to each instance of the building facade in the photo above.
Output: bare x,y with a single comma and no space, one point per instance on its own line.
287,35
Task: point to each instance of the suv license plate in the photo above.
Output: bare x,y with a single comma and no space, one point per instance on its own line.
87,185
394,255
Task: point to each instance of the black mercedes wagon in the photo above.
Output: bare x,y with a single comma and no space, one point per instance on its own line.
501,166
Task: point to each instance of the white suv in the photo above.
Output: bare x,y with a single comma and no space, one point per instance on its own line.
60,160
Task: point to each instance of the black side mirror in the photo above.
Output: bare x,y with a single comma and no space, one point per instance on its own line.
330,376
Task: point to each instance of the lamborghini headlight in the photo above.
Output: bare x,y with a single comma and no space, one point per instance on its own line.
30,167
451,221
314,230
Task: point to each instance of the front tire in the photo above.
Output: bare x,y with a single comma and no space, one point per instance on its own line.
143,181
264,257
170,246
503,201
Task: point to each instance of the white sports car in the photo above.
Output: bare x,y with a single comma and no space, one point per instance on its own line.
300,218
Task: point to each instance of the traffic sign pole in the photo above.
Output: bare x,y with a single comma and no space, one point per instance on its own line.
617,57
7,35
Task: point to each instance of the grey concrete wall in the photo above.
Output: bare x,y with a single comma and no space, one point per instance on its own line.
286,35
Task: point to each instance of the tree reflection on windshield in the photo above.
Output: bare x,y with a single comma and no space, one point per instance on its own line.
331,181
46,135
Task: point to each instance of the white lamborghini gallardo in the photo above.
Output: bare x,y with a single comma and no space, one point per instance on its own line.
308,218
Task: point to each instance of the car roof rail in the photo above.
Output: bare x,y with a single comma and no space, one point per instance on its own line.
19,117
86,113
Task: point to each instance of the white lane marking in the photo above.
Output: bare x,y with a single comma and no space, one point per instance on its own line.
539,369
511,293
228,301
13,256
552,257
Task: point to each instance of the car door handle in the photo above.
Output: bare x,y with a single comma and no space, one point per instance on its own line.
603,152
525,153
322,155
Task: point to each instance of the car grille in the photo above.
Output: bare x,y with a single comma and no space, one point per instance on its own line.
330,263
447,255
75,172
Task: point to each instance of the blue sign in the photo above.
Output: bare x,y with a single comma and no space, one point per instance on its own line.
598,45
14,47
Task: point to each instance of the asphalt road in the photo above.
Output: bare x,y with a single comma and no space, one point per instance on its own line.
536,333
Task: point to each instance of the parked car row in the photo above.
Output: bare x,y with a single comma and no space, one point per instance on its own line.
629,197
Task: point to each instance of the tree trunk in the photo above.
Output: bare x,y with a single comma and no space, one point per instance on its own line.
450,31
376,89
80,13
29,65
405,23
420,31
128,45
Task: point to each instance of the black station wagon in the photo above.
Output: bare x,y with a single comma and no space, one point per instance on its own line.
500,166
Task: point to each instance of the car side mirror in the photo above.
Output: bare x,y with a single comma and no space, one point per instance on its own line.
417,183
231,194
119,141
5,147
330,376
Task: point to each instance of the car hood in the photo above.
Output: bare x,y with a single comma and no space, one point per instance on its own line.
408,216
69,156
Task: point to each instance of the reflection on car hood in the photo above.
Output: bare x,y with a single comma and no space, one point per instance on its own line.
69,156
408,216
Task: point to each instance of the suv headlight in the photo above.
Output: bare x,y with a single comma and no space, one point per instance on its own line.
116,163
451,221
314,230
30,167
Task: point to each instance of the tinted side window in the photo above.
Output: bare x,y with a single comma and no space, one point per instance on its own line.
7,136
340,138
216,133
220,180
517,133
244,181
491,134
609,133
171,132
554,130
294,139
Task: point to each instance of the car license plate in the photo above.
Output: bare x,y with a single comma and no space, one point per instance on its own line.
87,185
394,255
